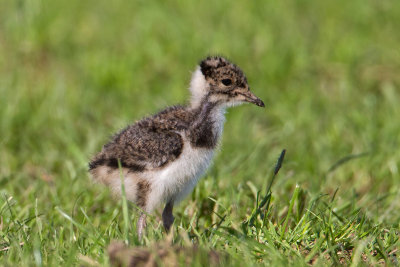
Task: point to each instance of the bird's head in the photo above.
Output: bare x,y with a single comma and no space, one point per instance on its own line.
219,81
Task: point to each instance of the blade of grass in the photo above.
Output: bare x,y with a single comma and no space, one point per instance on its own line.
69,218
125,212
267,198
292,201
315,249
346,159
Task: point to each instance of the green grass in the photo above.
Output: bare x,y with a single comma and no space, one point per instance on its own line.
74,72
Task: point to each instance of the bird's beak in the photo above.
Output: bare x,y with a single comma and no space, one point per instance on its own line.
252,98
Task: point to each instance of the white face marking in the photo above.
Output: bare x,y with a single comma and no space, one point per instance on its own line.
227,102
233,103
198,87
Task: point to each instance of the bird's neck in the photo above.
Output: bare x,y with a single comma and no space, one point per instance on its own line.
207,126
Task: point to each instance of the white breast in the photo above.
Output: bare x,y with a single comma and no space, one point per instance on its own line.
178,178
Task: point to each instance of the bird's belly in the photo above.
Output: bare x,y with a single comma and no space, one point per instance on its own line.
177,179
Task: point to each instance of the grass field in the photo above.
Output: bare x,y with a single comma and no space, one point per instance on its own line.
74,72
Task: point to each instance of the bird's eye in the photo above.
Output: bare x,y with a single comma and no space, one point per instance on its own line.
227,82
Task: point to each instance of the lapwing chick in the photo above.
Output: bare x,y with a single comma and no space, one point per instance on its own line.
163,156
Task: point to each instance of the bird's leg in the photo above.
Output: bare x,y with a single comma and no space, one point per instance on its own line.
141,225
167,216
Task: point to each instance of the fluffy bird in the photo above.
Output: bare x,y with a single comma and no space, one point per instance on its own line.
162,157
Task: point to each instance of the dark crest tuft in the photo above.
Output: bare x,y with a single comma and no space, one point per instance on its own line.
214,62
205,68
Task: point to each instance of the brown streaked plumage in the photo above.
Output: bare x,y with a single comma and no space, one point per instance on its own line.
163,156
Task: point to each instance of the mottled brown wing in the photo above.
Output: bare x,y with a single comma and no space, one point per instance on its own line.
140,148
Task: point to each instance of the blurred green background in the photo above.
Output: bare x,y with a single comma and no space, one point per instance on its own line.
74,72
